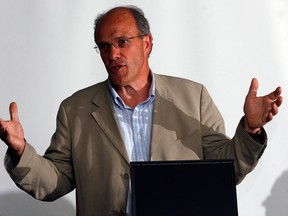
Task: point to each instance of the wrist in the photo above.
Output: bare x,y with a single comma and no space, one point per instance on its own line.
248,129
16,152
255,131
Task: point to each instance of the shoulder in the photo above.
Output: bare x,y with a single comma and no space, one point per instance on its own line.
172,84
87,94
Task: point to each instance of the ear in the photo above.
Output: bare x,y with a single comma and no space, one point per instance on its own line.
148,43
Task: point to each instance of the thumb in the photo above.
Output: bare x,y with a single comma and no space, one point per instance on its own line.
253,88
13,109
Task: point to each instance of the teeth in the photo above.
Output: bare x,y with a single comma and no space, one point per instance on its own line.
116,67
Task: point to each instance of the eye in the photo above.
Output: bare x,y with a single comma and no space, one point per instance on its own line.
103,46
123,42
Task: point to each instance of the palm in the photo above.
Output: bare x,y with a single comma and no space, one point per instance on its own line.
11,131
260,110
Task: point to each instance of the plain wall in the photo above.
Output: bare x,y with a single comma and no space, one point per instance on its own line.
47,53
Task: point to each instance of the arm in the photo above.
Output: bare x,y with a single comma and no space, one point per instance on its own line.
12,133
39,176
243,147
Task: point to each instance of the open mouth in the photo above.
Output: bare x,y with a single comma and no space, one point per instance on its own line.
116,68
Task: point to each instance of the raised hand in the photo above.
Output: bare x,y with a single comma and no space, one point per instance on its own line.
260,110
11,132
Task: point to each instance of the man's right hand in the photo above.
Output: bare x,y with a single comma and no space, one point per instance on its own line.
11,131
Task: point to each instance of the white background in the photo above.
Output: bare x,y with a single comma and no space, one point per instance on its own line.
46,54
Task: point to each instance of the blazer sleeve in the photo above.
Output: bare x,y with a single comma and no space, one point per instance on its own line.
50,176
242,148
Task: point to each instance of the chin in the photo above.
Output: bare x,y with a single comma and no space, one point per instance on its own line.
116,81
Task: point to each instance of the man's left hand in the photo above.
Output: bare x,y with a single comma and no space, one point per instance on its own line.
260,110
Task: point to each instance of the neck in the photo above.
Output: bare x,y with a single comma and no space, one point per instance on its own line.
133,94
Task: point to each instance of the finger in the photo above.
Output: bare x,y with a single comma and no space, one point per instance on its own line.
274,109
2,123
269,117
253,88
2,128
13,109
275,94
279,101
278,91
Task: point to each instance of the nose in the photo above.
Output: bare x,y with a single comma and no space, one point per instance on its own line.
114,52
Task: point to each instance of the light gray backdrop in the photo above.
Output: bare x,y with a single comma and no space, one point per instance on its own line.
46,54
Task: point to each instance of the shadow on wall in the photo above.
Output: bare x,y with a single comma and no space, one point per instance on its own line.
277,202
22,204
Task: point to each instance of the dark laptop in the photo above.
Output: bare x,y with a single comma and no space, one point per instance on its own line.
183,188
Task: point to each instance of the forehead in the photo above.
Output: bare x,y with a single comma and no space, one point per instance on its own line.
115,23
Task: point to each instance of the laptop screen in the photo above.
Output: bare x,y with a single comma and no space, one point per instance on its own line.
180,188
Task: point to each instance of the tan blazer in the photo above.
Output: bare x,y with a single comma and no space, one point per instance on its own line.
87,151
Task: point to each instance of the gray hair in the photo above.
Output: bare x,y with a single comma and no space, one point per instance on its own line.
138,14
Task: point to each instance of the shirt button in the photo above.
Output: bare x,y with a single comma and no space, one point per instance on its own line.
126,176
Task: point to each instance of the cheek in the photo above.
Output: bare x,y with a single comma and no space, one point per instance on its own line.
103,57
137,58
105,60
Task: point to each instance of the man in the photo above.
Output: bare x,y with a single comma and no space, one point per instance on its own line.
134,115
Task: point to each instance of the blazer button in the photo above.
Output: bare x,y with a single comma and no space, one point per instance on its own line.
122,212
126,176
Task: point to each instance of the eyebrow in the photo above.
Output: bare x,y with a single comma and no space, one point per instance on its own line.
119,37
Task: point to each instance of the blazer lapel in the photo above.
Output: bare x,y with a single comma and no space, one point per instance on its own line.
159,108
104,116
157,131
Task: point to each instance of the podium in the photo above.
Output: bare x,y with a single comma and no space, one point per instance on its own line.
183,188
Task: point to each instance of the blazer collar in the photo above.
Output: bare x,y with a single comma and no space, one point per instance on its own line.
108,123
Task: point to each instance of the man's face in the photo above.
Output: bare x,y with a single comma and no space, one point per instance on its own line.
123,51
